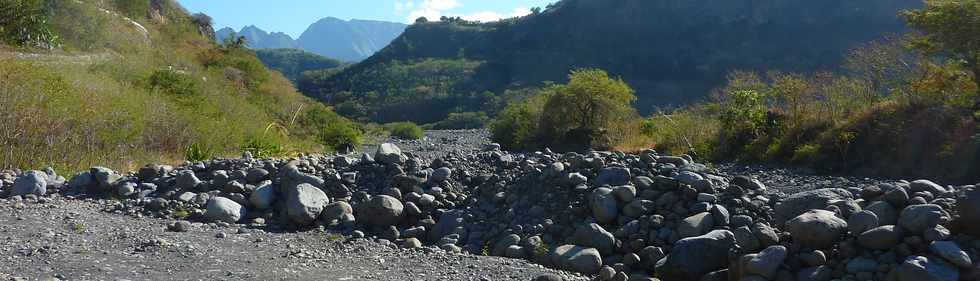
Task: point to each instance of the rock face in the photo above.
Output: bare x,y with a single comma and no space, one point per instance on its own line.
797,204
224,210
304,202
381,210
577,259
694,257
816,229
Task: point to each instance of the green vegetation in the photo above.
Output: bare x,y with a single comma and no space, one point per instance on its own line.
24,23
293,62
114,95
404,130
950,28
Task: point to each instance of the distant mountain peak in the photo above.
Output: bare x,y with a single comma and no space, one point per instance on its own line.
347,40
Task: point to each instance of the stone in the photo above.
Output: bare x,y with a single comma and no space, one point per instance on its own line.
389,153
103,179
604,206
692,257
951,252
813,258
688,177
918,218
936,233
381,210
884,211
720,215
881,238
818,273
82,181
799,203
695,225
767,262
304,203
816,229
186,180
180,226
862,221
224,210
625,193
926,185
968,205
749,183
255,175
896,196
746,239
500,247
264,196
606,273
920,268
336,211
594,236
577,258
614,176
861,264
547,277
412,243
32,182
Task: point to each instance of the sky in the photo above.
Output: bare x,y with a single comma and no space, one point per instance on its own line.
294,16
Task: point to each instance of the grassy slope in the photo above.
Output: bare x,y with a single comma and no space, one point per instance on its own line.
110,111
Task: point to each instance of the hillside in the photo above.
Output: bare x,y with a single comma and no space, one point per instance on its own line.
124,83
293,62
672,52
349,41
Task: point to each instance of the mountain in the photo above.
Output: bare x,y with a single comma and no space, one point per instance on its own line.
351,41
672,51
293,62
258,38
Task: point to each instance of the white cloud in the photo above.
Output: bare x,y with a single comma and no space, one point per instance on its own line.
432,9
403,5
488,16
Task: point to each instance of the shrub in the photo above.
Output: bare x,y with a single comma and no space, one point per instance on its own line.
463,120
173,83
404,130
25,23
264,146
198,152
340,136
516,127
580,113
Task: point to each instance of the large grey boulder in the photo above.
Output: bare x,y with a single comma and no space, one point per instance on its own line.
862,221
927,185
186,180
577,258
614,176
31,182
224,210
796,204
886,213
920,268
968,205
816,229
441,174
594,236
695,225
336,211
604,206
951,252
264,196
918,218
881,238
103,180
381,210
304,202
389,153
767,262
693,257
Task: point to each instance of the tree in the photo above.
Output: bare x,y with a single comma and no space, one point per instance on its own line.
949,28
580,112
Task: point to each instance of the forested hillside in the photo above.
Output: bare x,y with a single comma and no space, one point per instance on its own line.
293,62
672,52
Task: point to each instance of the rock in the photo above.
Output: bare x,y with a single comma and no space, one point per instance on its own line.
500,247
547,277
614,176
813,258
695,225
861,264
32,182
412,243
186,180
918,218
767,262
767,235
951,252
926,185
381,210
625,193
577,259
746,240
389,153
884,211
936,233
605,209
968,205
264,196
720,215
224,210
441,174
896,196
881,238
818,273
103,179
749,183
688,177
799,203
255,175
816,229
594,236
862,221
82,181
126,189
304,203
336,211
920,268
693,257
180,226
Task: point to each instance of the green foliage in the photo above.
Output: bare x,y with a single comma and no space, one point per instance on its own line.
516,127
404,130
135,9
264,146
744,111
293,62
463,120
341,137
173,83
26,23
198,152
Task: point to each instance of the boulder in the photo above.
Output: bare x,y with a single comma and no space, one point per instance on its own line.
381,210
103,179
605,209
926,185
862,221
224,210
577,258
32,182
816,229
264,196
389,153
920,268
817,273
186,180
796,204
693,257
884,211
918,218
594,236
881,238
897,197
304,203
441,174
748,183
767,262
951,252
968,205
695,225
614,176
336,211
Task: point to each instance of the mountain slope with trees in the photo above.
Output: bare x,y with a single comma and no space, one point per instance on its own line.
671,52
348,41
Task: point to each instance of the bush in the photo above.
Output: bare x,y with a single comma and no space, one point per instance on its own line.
340,137
173,83
263,146
516,127
463,120
198,152
25,23
404,130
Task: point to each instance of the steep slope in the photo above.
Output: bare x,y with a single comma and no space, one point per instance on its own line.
258,38
672,51
352,40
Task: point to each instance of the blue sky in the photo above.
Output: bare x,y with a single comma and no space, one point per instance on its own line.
294,16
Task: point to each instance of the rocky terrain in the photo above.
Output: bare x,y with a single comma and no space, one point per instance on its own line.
434,209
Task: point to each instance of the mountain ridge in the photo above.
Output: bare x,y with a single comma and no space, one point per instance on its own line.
347,40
